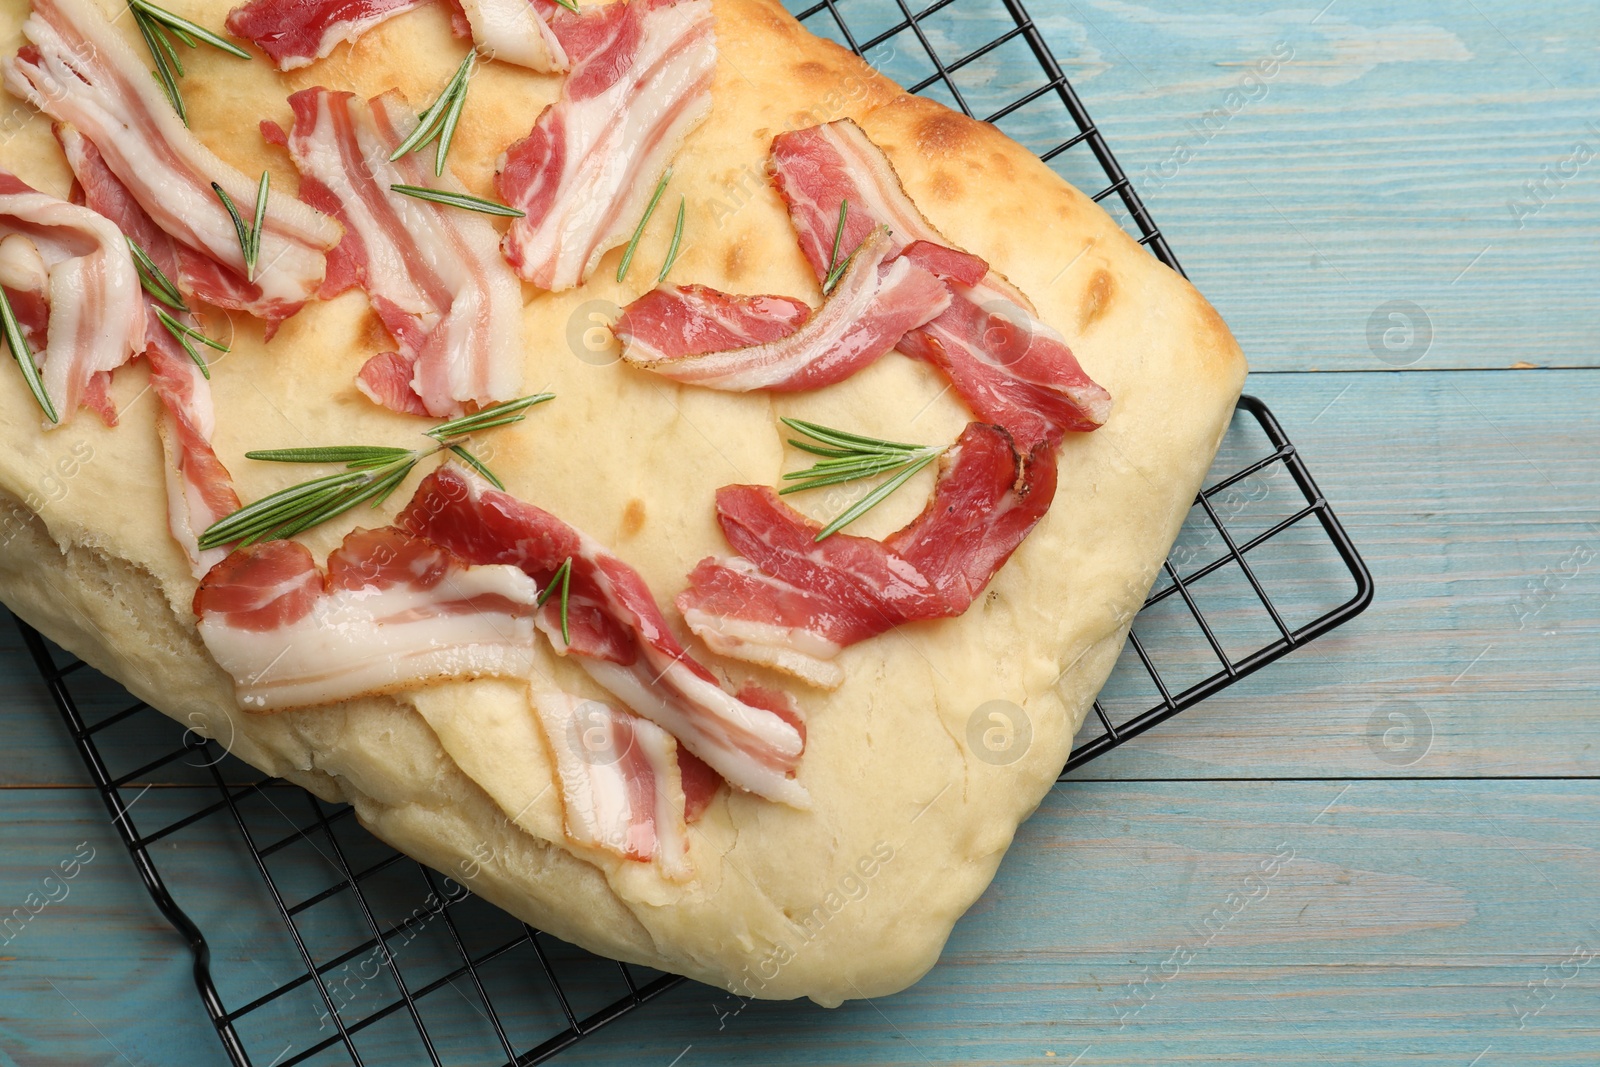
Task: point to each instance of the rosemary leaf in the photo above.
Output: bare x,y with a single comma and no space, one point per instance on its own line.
478,465
385,488
438,119
838,477
873,499
835,268
253,253
186,28
350,454
171,52
185,37
570,5
155,42
155,282
427,127
239,227
844,439
184,330
633,245
182,334
377,489
157,26
452,114
562,578
502,414
849,457
24,357
253,522
677,238
460,200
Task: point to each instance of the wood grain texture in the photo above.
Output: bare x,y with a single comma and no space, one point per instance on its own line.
1474,500
1402,920
1364,208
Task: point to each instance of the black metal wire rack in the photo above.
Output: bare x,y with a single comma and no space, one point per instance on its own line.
339,904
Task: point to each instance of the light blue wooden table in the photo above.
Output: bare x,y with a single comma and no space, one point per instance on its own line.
1435,898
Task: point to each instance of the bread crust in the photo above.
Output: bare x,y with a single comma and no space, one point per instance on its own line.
854,898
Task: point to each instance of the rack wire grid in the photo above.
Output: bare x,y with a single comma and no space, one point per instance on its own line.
370,941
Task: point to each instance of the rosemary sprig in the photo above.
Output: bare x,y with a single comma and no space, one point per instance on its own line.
23,354
638,232
677,239
461,200
154,280
562,578
371,473
490,417
158,26
848,457
439,121
836,269
249,236
570,5
478,465
184,333
158,285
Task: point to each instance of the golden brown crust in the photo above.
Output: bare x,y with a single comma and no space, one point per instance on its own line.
783,903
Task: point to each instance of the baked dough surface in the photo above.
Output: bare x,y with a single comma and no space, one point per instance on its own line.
852,899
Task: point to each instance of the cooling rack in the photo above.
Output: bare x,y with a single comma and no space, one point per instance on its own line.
341,951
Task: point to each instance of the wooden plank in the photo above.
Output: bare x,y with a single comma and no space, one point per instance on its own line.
1312,166
1379,923
95,976
1473,497
1355,950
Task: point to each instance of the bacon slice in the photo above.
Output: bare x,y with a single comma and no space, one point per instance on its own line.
297,33
433,274
199,488
874,305
73,285
621,788
1008,366
689,320
392,611
640,82
618,631
792,603
79,70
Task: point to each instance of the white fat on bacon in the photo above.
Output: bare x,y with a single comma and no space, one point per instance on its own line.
713,723
621,790
71,282
78,69
392,612
515,31
434,274
640,83
787,646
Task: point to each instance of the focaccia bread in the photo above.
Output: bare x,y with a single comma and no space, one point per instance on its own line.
910,812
